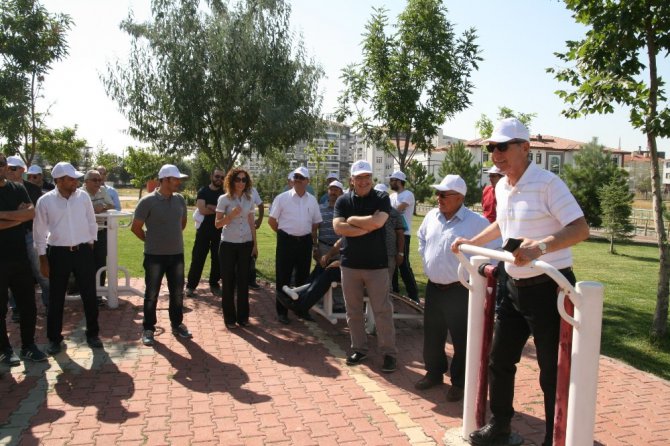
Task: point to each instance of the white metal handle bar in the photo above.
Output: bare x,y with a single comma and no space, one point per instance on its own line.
565,286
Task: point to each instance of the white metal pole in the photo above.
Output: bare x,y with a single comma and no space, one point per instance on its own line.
112,262
585,358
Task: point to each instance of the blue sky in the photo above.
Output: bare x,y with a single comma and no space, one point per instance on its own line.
517,38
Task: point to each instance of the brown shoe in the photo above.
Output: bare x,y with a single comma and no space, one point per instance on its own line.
427,382
454,394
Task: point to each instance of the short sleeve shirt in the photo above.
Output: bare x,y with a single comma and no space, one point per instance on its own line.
367,251
162,218
211,197
13,240
238,230
405,197
295,215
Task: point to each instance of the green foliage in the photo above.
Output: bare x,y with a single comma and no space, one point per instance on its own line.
224,82
273,180
593,168
143,165
316,159
419,182
61,144
459,161
31,40
485,126
616,202
409,82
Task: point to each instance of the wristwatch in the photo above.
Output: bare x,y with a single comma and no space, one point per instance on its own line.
543,247
401,254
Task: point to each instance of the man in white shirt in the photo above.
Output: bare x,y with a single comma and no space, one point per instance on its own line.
65,230
295,217
403,201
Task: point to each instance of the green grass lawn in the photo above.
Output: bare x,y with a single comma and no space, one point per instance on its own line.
630,279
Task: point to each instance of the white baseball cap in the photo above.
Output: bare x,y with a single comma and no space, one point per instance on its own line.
398,175
64,169
381,187
333,175
360,167
452,182
170,171
15,161
302,170
34,170
495,171
509,129
336,184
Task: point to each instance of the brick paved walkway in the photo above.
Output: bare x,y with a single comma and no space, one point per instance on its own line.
268,384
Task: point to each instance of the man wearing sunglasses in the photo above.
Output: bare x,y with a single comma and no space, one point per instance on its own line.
536,207
102,202
15,274
446,306
207,236
36,176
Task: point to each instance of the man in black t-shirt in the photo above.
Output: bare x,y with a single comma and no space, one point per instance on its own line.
15,273
207,237
359,218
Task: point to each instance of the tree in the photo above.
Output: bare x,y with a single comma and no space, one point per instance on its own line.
317,157
419,181
61,144
224,82
617,206
409,82
31,40
616,63
593,168
485,126
143,165
273,181
459,161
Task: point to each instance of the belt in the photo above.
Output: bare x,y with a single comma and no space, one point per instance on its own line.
326,243
445,286
296,237
537,280
69,248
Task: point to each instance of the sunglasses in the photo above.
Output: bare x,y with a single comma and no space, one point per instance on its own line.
445,194
502,146
33,177
95,180
218,177
13,168
241,180
298,177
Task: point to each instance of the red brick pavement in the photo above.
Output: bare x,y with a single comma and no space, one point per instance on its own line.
269,384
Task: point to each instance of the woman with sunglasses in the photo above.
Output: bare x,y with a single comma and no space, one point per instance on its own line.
235,214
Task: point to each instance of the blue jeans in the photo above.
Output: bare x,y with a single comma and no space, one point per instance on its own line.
34,260
155,267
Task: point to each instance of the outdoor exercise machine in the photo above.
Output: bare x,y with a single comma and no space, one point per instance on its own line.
579,349
113,290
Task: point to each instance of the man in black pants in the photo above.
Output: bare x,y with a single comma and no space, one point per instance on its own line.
15,272
295,217
65,231
207,237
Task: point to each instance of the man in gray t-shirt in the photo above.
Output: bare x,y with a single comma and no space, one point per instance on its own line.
163,214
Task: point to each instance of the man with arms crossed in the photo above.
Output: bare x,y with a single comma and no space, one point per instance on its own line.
359,218
535,206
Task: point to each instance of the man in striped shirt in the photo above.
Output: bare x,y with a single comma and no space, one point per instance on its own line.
536,207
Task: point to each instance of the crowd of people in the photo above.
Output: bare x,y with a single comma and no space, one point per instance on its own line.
359,235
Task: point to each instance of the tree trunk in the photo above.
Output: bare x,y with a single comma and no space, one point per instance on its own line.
659,325
612,244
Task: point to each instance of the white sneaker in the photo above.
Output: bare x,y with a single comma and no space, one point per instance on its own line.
290,292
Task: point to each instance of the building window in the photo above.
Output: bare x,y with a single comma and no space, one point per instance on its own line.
530,156
485,157
379,160
538,158
667,164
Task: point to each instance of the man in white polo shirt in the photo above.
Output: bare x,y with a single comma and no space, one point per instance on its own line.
295,217
536,207
403,201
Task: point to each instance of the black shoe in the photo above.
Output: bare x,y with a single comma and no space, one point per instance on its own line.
304,315
254,286
189,292
182,332
455,394
54,347
491,434
283,318
356,358
390,364
427,382
232,326
101,301
286,301
148,338
215,289
32,353
94,342
9,358
243,324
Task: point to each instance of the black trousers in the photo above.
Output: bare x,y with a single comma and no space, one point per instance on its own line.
319,281
81,263
522,312
445,312
407,275
100,254
17,276
206,242
234,260
291,253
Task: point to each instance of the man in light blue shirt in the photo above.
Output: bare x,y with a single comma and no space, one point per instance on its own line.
446,307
